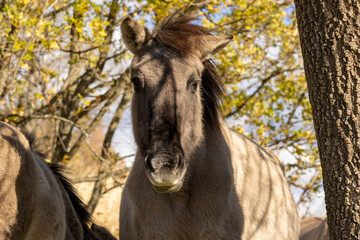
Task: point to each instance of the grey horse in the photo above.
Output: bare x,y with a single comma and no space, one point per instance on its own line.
37,202
193,177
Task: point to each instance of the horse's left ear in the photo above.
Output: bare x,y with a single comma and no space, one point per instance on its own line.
209,45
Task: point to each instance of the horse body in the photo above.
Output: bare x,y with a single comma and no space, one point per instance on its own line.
229,194
193,177
36,201
30,208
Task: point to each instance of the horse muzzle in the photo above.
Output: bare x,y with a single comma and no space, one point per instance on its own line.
165,172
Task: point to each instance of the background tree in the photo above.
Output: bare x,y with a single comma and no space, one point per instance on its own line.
63,67
330,42
59,54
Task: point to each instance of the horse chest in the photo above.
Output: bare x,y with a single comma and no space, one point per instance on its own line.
176,220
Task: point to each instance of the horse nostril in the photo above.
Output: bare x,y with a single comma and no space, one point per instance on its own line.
154,163
180,160
147,163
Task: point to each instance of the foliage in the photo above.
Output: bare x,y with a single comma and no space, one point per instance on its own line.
64,61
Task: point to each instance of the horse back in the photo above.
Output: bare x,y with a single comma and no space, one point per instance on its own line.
269,211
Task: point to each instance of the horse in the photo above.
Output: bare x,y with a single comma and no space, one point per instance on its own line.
192,176
36,200
314,228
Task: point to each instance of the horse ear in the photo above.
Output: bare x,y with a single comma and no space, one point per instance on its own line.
133,34
209,45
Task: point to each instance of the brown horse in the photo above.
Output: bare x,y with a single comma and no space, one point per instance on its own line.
314,228
36,200
193,177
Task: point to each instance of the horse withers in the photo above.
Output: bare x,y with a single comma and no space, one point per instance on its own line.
36,200
193,177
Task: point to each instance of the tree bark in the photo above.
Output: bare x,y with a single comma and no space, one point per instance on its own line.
330,42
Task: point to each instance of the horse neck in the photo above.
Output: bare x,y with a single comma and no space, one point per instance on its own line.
44,180
215,140
212,157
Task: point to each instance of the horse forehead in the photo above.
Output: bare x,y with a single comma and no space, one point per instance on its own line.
155,63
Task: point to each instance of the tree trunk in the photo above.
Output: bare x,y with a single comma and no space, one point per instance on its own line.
103,174
330,41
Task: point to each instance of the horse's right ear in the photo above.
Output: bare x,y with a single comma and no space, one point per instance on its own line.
133,34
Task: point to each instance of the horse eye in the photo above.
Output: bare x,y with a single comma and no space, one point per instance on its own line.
194,85
137,83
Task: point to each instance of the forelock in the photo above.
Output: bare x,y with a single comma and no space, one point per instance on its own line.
176,34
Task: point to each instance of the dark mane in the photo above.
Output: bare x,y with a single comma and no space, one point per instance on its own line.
79,206
175,34
34,144
212,89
